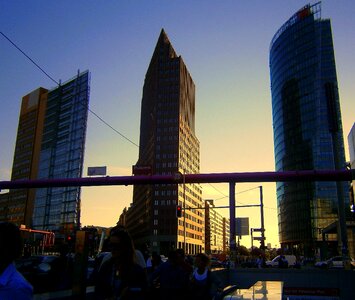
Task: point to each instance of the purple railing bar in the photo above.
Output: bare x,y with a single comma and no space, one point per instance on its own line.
320,175
312,175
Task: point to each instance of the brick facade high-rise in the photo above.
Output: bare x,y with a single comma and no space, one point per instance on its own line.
168,144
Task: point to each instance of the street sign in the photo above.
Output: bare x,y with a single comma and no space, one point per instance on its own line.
242,226
141,170
259,238
94,171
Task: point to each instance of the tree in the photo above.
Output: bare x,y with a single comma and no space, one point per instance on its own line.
242,250
256,252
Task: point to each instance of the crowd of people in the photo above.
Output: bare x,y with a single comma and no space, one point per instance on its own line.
123,273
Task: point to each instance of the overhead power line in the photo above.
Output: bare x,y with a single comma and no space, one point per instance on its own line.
114,129
226,196
18,48
256,187
97,116
219,191
56,82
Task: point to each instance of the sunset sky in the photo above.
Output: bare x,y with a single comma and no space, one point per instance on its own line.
225,45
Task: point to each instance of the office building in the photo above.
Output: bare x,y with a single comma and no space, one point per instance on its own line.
62,155
18,207
216,230
168,144
4,202
307,126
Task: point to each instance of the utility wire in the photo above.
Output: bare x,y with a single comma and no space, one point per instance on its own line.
256,187
115,130
219,191
18,48
56,82
226,196
101,119
97,116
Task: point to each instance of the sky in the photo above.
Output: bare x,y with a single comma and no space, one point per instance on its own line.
225,45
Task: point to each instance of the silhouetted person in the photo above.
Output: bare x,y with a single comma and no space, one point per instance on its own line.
121,277
283,263
153,262
13,286
260,262
203,283
171,277
184,262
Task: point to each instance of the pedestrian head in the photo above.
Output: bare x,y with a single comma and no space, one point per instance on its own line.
156,258
10,244
172,257
202,261
180,252
121,245
180,255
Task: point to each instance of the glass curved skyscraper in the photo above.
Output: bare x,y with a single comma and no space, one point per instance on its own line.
307,127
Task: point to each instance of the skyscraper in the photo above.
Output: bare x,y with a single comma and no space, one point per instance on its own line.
62,155
307,127
168,144
18,207
50,144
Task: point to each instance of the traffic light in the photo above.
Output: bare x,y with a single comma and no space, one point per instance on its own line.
70,239
178,211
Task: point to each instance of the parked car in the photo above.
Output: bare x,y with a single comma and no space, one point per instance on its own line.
336,262
291,261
